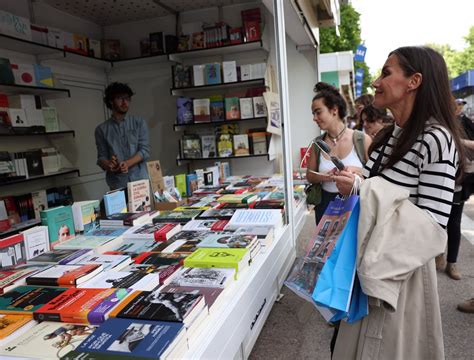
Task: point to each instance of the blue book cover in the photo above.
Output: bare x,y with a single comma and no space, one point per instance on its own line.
115,202
184,110
213,73
191,184
103,231
43,75
116,336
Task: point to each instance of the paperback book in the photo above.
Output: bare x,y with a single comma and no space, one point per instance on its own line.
86,215
181,217
237,259
58,256
123,280
157,231
99,244
115,202
60,223
204,277
184,107
64,275
139,195
27,299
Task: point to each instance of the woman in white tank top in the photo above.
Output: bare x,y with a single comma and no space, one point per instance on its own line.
329,110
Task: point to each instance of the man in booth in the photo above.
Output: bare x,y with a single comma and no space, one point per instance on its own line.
122,141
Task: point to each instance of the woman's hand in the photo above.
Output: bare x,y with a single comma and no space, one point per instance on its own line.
344,182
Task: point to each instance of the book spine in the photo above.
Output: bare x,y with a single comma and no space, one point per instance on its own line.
42,281
41,316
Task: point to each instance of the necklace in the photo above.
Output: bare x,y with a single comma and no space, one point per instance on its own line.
337,137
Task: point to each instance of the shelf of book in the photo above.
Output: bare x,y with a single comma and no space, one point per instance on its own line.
63,132
220,50
45,92
239,320
236,84
179,159
140,61
20,227
31,178
178,127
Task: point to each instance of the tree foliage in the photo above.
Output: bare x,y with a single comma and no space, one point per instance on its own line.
349,39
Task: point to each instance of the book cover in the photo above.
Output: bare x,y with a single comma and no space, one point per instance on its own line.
123,280
208,146
204,277
72,306
210,293
245,198
112,49
191,184
184,110
13,277
40,202
157,43
97,243
10,323
64,275
34,162
112,231
165,265
49,340
224,145
157,231
133,247
125,219
232,108
229,71
246,108
51,160
80,44
217,108
237,259
86,215
259,106
36,241
18,118
43,76
108,261
235,35
139,195
160,306
188,235
59,256
198,40
24,74
139,338
95,48
226,240
6,73
16,26
155,175
213,73
183,43
180,183
60,223
182,76
50,118
255,217
172,216
115,202
201,109
12,250
258,141
191,147
241,145
198,75
219,214
26,299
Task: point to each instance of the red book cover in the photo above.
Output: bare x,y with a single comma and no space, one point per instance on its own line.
252,31
71,277
163,233
219,225
72,306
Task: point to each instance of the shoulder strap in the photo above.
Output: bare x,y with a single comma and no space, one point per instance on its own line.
358,138
316,150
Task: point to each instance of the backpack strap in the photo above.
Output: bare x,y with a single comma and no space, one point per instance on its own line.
358,138
316,150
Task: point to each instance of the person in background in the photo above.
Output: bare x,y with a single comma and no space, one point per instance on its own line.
329,110
122,141
360,103
461,194
374,120
423,155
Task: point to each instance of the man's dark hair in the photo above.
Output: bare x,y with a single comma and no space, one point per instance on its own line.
115,89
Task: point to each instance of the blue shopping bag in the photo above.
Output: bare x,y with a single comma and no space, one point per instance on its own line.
335,284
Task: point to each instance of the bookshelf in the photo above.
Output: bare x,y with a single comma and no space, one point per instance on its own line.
180,159
52,133
222,86
20,227
178,127
45,92
32,178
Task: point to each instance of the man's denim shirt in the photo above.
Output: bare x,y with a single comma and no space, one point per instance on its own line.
123,139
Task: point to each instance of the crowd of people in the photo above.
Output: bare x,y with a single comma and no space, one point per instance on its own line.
415,137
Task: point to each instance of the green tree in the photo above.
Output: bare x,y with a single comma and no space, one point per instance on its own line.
349,39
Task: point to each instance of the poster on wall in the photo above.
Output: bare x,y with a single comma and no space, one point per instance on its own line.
274,113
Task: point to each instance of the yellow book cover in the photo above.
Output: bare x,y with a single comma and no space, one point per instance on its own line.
11,323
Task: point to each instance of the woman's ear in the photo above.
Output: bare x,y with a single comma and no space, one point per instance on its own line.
415,81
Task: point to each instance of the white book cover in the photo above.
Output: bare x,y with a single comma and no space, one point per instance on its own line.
205,277
169,182
215,174
246,108
98,243
51,160
202,110
35,117
229,70
36,241
24,74
40,202
198,75
199,225
139,196
123,280
109,262
257,71
259,106
245,72
18,117
208,143
255,217
16,26
55,38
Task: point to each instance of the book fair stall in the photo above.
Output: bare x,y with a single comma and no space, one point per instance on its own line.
188,262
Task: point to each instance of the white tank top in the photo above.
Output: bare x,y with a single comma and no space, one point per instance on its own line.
326,165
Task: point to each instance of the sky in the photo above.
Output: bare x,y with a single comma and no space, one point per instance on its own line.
389,24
